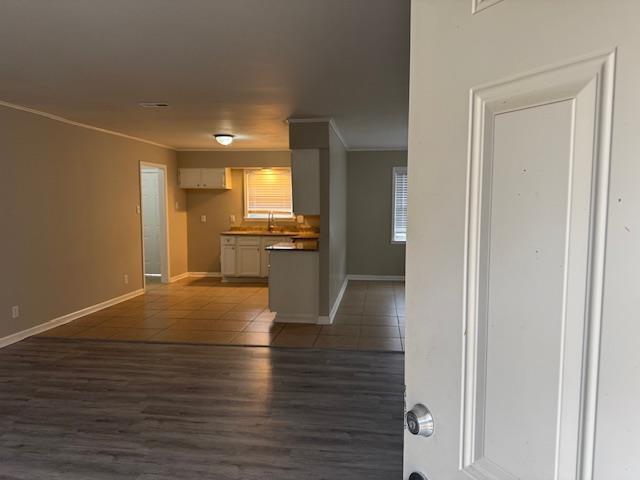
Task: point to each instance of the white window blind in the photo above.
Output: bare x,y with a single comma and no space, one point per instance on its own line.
399,204
268,190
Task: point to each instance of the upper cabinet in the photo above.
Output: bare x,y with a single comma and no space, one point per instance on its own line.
305,180
214,178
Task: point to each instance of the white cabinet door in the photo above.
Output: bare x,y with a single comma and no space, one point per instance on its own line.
305,181
228,260
219,178
248,261
521,323
190,178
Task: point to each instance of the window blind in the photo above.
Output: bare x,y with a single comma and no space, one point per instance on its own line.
268,190
400,204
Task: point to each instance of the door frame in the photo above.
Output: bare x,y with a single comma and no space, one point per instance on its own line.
165,257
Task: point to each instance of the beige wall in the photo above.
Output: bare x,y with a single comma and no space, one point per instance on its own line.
370,251
217,205
70,226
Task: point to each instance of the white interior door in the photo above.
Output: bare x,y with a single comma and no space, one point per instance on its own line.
151,221
519,298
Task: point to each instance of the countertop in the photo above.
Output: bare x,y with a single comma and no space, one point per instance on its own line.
266,233
311,246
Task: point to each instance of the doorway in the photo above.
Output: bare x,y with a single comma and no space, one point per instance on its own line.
155,244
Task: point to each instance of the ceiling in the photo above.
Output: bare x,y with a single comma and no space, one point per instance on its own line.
237,66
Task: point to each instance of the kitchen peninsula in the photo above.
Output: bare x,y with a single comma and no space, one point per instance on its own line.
294,281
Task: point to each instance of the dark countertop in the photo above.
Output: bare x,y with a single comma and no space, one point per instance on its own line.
301,246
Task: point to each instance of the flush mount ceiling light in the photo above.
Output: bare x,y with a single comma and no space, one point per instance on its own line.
224,138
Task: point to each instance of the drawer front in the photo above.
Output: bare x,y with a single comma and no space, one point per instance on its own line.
227,240
253,241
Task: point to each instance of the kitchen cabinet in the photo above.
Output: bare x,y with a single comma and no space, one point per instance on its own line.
205,178
228,260
305,181
248,261
246,256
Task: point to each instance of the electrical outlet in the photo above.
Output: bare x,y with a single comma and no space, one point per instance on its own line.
15,311
126,279
203,218
138,210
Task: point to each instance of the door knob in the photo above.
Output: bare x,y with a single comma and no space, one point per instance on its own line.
417,476
420,421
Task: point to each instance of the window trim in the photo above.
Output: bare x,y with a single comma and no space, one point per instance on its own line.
395,172
245,215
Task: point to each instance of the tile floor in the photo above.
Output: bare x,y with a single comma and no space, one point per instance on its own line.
206,311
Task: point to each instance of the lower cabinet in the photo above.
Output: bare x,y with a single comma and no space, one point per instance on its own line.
228,260
248,261
244,256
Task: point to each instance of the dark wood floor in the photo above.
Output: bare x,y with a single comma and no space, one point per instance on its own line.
77,409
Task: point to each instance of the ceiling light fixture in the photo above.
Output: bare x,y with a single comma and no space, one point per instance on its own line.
224,138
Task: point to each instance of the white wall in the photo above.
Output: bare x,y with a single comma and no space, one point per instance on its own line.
453,51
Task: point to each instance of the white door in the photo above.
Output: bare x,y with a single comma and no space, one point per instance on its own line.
248,261
151,222
228,260
523,256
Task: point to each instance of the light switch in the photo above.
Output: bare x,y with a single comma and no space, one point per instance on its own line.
177,206
203,218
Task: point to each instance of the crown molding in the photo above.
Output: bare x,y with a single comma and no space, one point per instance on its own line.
56,118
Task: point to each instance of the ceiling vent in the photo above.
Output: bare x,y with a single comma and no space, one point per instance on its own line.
153,105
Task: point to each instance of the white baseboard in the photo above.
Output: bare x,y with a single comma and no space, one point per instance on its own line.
377,278
204,274
178,277
328,319
56,322
302,318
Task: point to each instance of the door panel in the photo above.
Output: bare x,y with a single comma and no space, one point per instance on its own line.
151,222
525,278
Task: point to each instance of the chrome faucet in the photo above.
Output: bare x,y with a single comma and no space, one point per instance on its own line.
271,221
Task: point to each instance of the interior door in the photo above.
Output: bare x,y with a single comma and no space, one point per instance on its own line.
523,258
151,224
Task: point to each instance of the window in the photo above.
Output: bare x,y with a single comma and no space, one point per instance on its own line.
267,190
399,210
